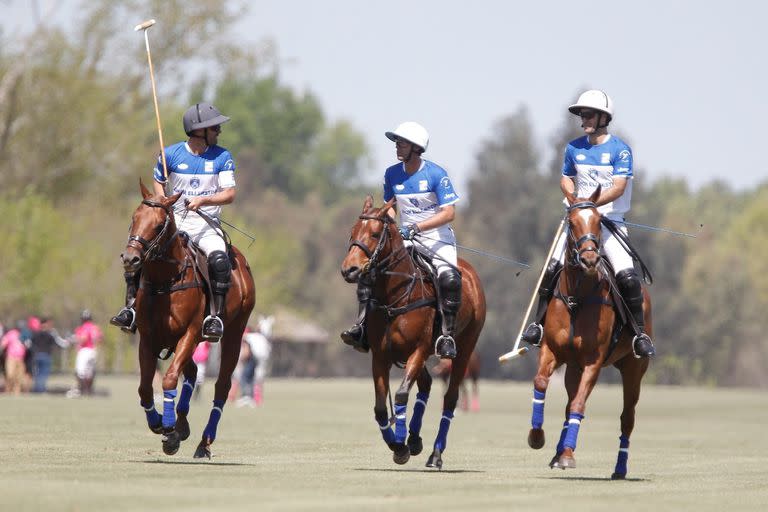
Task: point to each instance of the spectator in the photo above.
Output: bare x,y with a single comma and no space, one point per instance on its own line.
14,350
88,337
43,341
200,357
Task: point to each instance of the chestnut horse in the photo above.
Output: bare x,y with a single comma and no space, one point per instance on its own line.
578,331
170,306
443,370
401,328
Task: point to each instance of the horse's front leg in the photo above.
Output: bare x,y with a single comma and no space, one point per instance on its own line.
576,415
573,374
413,369
424,384
147,368
182,409
184,348
380,371
547,365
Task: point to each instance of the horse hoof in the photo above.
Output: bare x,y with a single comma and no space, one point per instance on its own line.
415,445
435,460
182,427
553,462
536,438
618,476
203,451
171,442
565,462
401,454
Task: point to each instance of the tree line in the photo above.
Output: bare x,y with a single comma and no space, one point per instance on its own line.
77,133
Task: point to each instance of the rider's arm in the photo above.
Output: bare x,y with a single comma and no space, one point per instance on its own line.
444,215
225,196
159,188
567,185
608,195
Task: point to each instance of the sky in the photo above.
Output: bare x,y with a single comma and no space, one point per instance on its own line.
688,78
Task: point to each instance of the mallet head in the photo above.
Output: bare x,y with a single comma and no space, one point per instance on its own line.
143,26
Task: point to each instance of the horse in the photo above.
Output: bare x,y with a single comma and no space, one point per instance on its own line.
402,327
578,332
443,370
170,306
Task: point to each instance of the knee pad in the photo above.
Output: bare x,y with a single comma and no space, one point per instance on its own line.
629,283
450,289
548,279
218,264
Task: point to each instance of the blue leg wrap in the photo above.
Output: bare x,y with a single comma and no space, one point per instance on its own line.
574,422
621,461
441,441
400,430
561,442
418,413
213,420
186,395
169,405
537,418
386,431
153,417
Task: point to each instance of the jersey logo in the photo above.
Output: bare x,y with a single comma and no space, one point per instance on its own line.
581,157
229,165
423,185
605,158
208,166
194,182
399,187
624,155
593,174
183,166
414,201
445,182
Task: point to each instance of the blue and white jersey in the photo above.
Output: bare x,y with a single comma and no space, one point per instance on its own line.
593,165
196,175
419,196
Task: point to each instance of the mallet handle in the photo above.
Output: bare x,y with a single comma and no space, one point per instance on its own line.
516,350
145,25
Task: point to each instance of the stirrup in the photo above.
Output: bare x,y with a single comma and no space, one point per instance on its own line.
130,327
450,351
355,338
647,348
210,319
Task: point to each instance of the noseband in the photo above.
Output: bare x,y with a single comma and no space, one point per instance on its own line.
589,237
149,248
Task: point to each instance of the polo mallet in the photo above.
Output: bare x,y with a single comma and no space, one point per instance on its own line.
517,351
145,27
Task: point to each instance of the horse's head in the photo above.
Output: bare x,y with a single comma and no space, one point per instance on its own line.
152,224
371,240
584,232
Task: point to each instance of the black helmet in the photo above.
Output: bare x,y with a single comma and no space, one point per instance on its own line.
202,115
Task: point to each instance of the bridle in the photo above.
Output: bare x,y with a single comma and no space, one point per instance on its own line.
372,265
578,251
151,249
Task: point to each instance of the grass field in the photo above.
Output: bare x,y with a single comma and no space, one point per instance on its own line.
314,446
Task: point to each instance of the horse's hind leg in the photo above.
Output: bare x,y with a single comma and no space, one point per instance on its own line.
547,365
632,372
182,409
147,367
230,351
424,384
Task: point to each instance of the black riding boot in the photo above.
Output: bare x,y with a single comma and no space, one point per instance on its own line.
450,301
220,271
535,331
632,292
125,319
355,335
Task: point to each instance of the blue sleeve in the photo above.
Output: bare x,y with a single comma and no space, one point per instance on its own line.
158,174
443,188
622,162
226,162
389,193
568,168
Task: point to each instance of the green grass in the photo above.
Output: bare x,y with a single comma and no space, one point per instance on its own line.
314,446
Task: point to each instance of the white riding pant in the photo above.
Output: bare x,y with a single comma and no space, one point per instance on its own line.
85,363
610,247
200,232
440,245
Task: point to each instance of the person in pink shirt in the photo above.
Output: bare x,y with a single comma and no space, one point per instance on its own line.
15,370
88,337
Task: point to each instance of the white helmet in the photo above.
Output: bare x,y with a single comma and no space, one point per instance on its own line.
594,99
412,132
